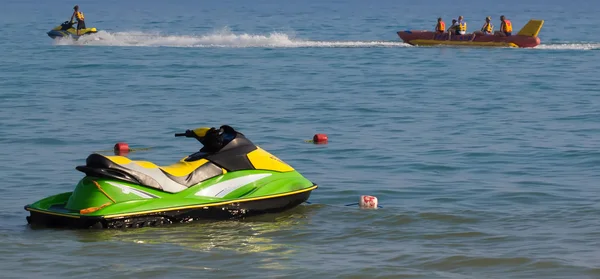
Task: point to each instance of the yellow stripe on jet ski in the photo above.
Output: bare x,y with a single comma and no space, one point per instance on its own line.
183,168
121,160
201,132
146,164
210,204
263,160
53,213
76,216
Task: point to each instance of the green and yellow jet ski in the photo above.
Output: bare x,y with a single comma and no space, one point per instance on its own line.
228,178
66,30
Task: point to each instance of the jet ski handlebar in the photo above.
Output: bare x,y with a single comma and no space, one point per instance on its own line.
188,134
213,139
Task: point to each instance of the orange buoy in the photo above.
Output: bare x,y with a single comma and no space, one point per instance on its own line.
320,139
121,148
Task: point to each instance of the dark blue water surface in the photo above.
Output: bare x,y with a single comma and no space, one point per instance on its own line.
486,161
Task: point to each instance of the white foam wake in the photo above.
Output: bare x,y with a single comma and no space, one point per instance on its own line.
570,46
226,38
218,39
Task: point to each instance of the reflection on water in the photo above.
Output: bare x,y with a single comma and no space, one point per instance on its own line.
251,235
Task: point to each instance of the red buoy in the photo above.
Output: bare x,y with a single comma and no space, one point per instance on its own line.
320,138
368,202
121,148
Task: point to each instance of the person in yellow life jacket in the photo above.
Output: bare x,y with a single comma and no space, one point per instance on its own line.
80,18
505,26
440,27
487,27
462,26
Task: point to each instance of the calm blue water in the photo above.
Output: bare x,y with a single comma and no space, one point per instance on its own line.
486,161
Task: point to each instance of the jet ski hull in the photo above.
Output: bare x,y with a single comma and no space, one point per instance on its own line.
234,209
66,30
526,38
231,178
64,34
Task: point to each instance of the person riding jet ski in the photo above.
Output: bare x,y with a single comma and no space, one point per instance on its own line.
80,18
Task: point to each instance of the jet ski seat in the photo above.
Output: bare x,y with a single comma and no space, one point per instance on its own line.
173,178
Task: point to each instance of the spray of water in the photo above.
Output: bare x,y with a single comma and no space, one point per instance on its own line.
222,38
226,38
570,46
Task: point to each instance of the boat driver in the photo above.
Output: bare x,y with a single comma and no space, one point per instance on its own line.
80,18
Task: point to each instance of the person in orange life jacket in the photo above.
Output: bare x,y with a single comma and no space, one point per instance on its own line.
440,28
462,26
80,18
505,26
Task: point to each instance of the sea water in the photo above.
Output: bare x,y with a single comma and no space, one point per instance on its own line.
486,162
